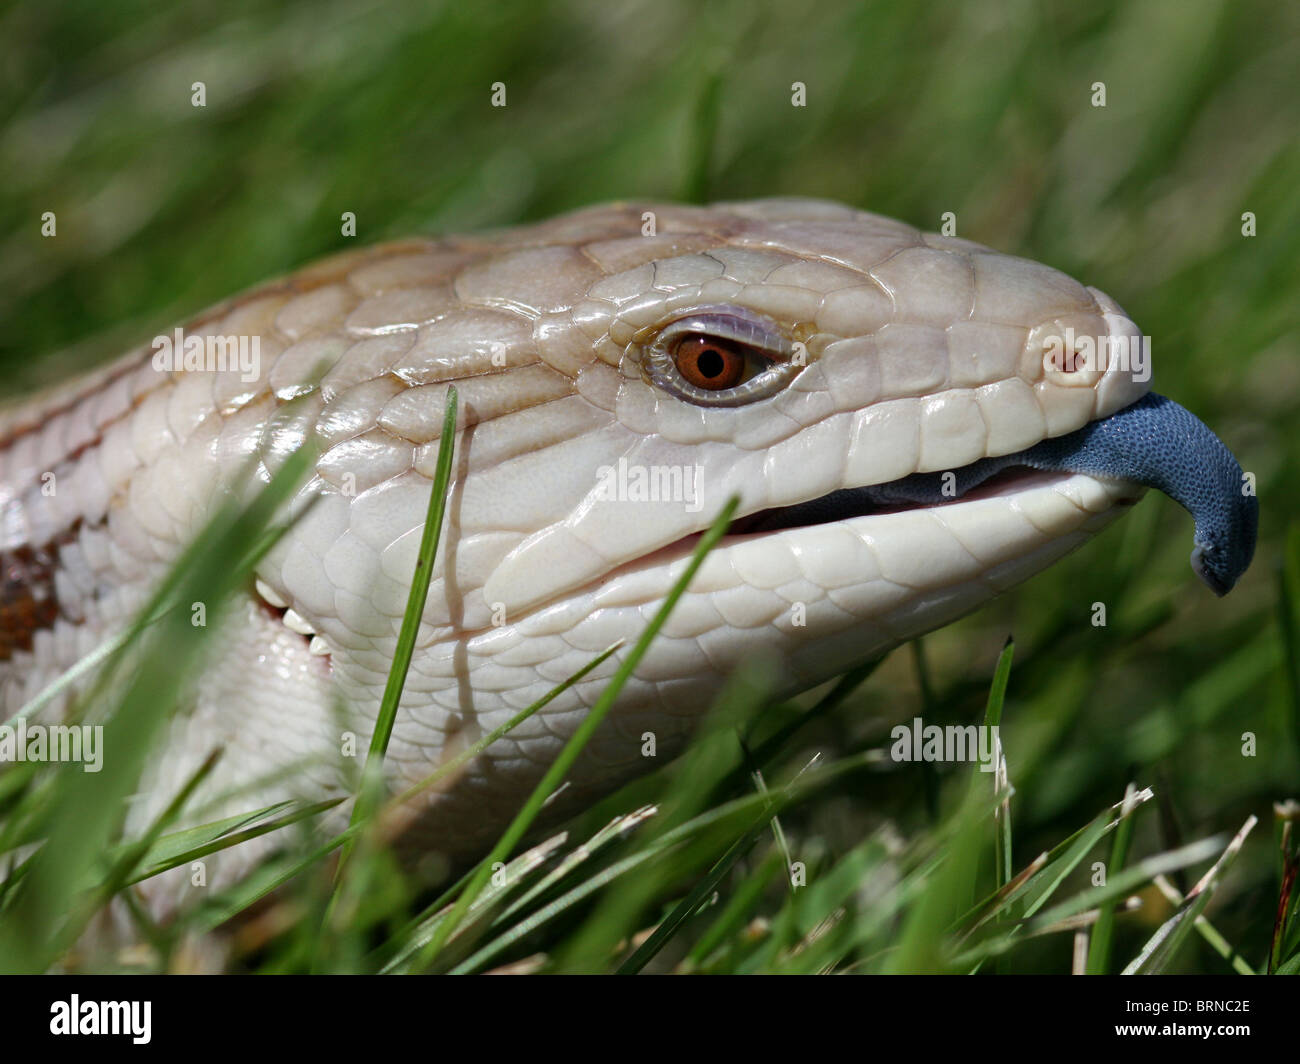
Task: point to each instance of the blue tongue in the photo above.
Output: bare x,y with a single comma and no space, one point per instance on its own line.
1153,442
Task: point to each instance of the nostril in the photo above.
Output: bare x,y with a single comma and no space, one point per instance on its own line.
1071,351
1065,355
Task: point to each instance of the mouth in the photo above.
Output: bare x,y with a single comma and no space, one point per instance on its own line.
1153,443
1027,507
908,493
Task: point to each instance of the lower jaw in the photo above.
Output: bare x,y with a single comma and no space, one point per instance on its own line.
935,564
1006,517
924,550
1007,485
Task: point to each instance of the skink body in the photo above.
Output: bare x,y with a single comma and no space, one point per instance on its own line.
604,419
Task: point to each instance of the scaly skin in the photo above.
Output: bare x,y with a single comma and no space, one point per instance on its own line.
924,354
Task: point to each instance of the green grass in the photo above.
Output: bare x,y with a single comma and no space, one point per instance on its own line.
318,109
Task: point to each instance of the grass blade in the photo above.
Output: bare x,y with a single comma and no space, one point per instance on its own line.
1163,946
372,774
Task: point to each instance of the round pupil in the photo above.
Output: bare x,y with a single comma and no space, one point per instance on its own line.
706,362
710,362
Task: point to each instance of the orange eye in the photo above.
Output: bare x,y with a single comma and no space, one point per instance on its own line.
709,363
717,356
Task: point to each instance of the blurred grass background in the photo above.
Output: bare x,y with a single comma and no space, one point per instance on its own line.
912,110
